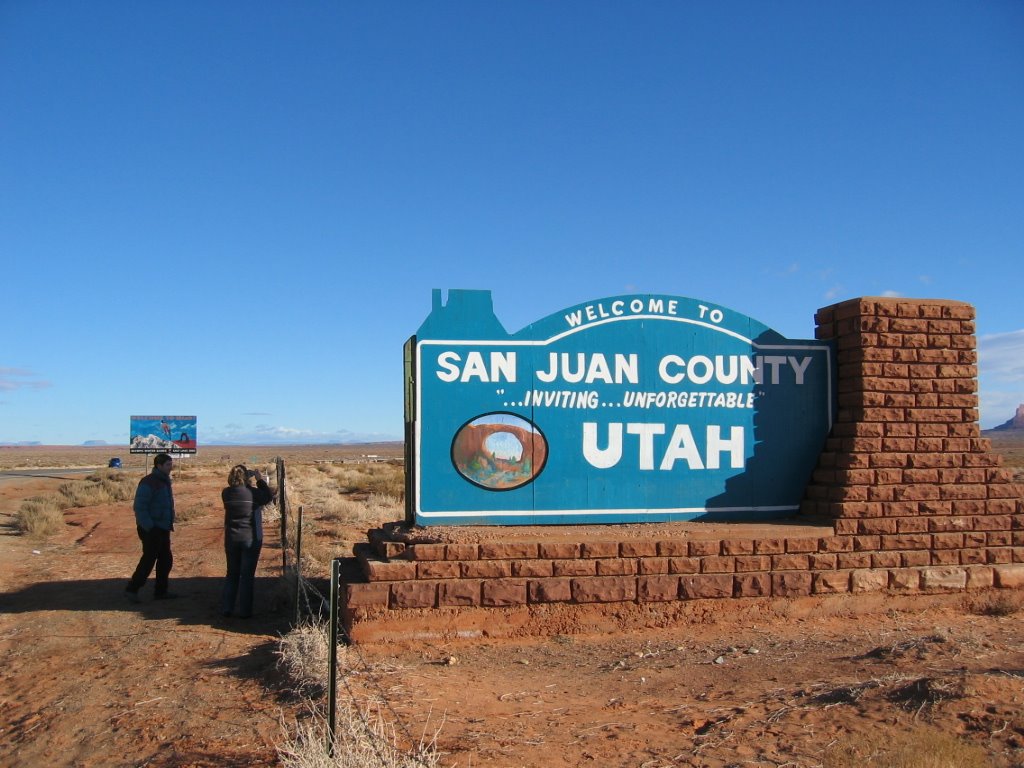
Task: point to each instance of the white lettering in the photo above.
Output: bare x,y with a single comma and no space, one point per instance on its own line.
474,367
774,361
705,375
681,446
602,458
730,369
565,398
716,445
502,367
666,361
448,360
577,368
799,368
646,433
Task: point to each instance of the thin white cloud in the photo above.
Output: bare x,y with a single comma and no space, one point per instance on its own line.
926,279
997,406
1000,376
792,268
266,434
832,292
20,378
891,294
1001,357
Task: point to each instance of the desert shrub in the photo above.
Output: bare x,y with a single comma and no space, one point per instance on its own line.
999,604
919,748
382,507
190,512
377,508
387,479
331,495
100,488
318,548
369,478
83,494
340,509
363,738
303,656
39,516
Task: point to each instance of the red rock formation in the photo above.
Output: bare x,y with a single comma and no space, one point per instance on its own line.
1017,422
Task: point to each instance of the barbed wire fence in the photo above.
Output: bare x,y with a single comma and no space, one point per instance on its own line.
311,607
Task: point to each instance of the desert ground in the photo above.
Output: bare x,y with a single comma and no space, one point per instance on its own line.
88,679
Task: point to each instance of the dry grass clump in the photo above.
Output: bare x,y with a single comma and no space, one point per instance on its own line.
386,479
43,515
382,507
364,494
1000,604
317,550
39,516
919,748
190,512
382,478
303,655
340,509
375,509
100,488
363,737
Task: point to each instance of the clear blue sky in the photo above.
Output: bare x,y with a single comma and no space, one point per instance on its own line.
238,210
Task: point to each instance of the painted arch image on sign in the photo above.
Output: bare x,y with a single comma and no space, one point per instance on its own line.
499,451
636,408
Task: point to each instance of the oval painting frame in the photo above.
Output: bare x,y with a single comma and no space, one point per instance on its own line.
499,451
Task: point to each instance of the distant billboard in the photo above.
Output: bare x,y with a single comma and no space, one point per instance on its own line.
162,434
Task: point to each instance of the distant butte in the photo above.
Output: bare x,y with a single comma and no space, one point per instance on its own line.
1017,422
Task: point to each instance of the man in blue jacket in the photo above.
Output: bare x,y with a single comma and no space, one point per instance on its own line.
154,520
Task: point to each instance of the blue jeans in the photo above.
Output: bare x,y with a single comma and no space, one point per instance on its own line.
242,560
156,550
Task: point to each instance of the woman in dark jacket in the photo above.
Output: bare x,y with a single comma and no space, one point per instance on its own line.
243,536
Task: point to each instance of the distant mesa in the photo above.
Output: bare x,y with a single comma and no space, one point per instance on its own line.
95,442
1017,422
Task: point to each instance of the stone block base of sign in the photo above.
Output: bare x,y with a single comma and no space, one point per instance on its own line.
457,582
907,500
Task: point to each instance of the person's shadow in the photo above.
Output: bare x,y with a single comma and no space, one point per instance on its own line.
197,604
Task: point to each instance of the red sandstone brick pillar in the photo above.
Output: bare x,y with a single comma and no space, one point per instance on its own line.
905,457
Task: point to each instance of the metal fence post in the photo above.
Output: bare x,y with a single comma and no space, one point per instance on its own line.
332,675
282,505
298,567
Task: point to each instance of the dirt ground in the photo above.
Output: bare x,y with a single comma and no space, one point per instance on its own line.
88,679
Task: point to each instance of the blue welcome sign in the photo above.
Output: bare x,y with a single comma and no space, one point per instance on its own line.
635,408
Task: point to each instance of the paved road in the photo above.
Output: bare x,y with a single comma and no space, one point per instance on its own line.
53,473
